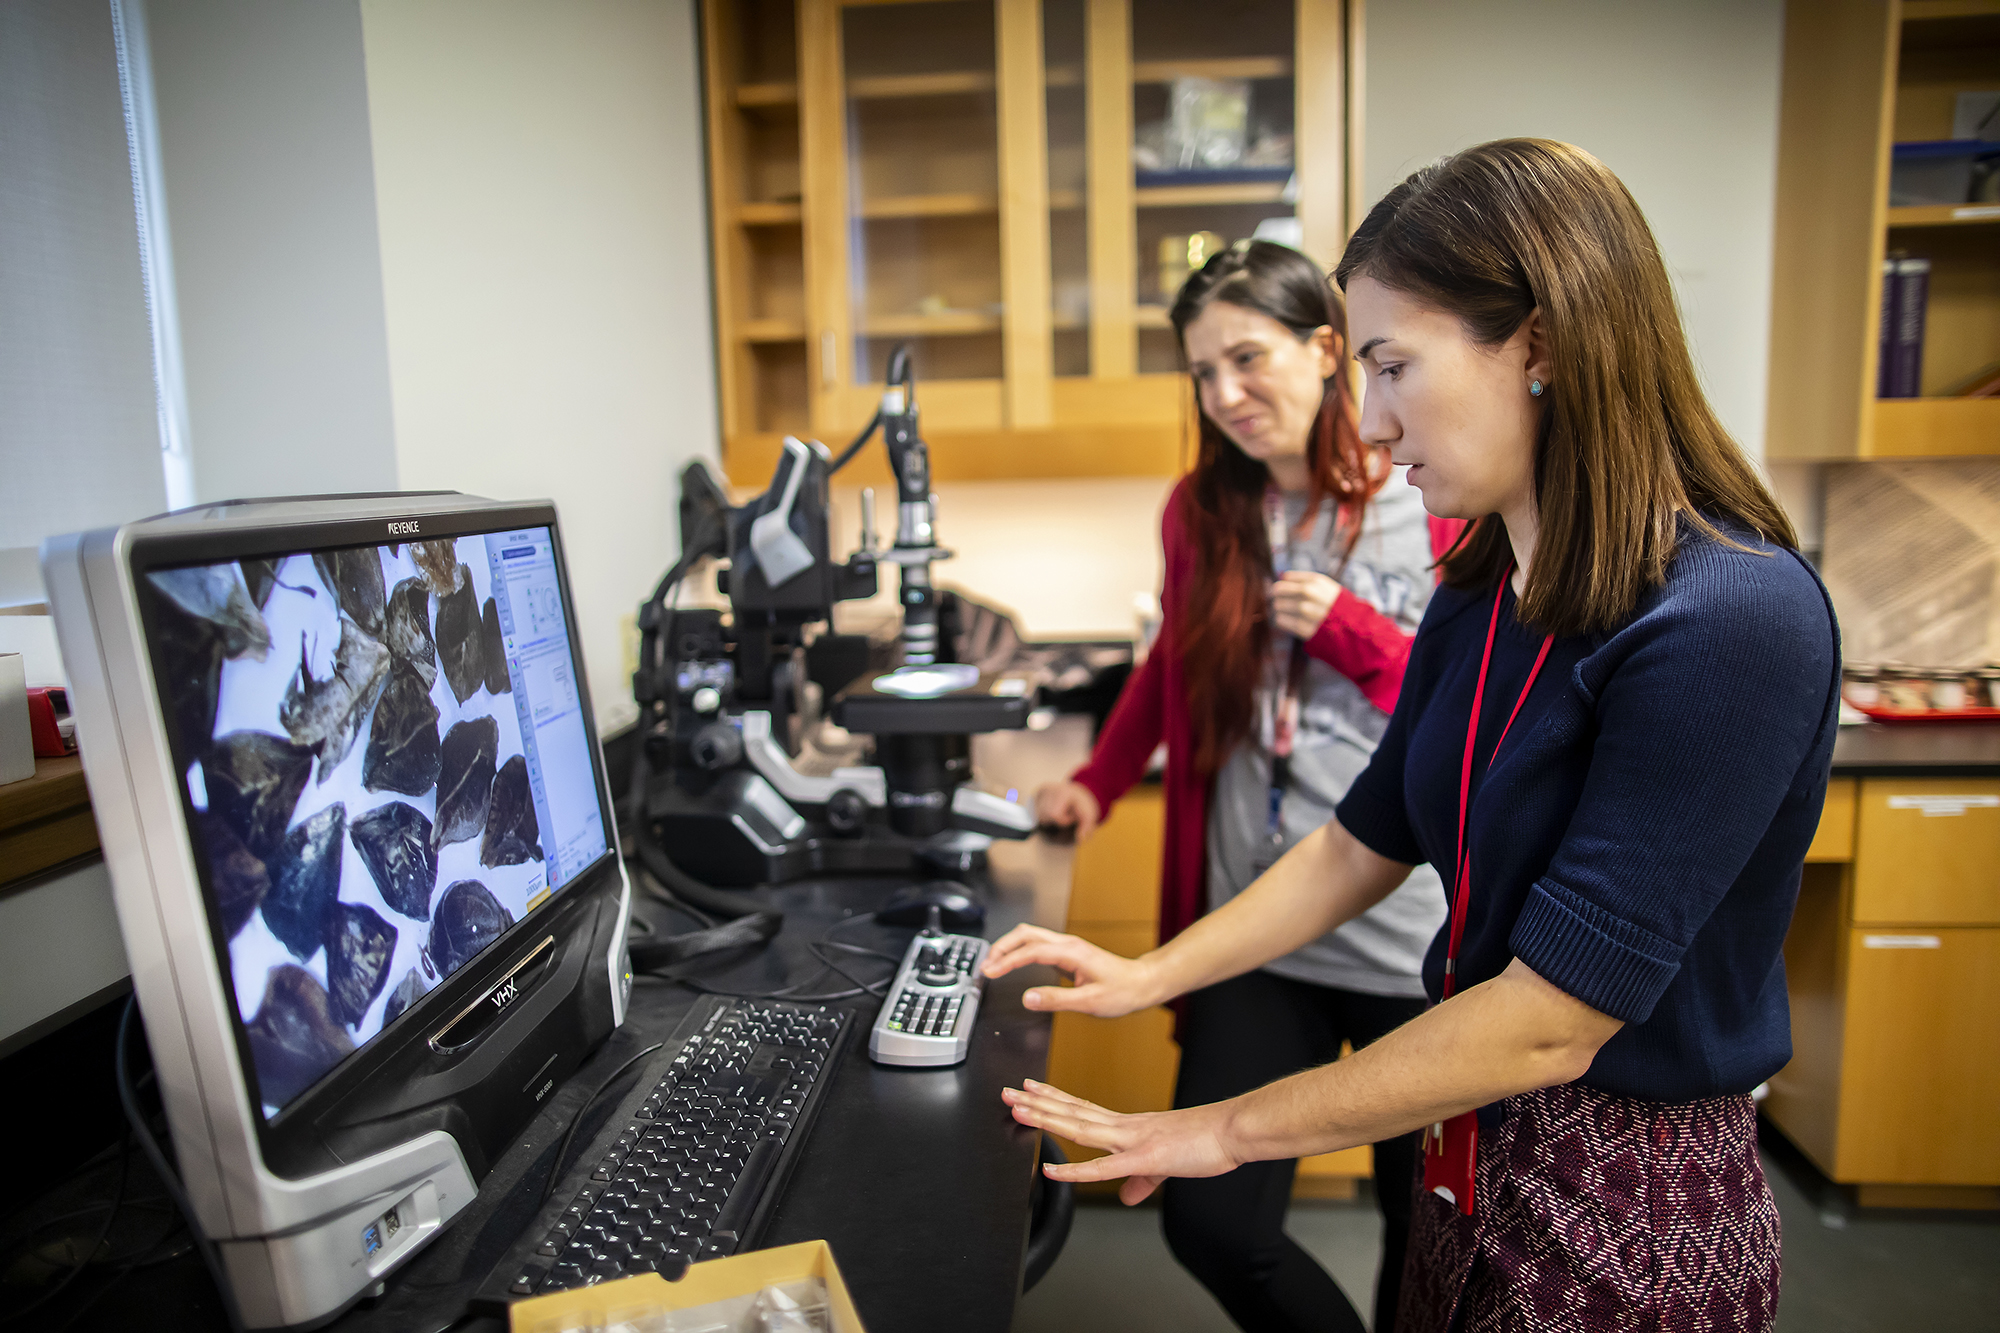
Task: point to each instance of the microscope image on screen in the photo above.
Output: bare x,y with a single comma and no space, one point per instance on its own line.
370,739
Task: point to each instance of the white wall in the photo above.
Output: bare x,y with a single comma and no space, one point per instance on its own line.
540,186
1679,97
78,448
262,118
1065,558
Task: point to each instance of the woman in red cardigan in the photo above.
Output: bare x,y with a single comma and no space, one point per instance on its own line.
1297,569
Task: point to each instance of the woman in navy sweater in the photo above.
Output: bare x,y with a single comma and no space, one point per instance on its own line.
1612,741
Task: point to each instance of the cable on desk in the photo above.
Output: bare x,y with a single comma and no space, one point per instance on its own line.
96,1243
562,1149
128,1099
659,893
793,991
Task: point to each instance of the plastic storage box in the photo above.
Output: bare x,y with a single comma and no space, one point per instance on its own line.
1934,172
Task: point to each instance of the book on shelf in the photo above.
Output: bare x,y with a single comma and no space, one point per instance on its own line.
1905,296
1981,383
1885,334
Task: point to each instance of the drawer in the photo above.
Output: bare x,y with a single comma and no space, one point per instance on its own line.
1927,851
1921,1070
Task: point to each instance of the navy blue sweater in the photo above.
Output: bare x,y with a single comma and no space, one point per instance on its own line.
1640,839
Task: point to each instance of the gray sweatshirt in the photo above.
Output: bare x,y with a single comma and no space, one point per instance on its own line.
1378,953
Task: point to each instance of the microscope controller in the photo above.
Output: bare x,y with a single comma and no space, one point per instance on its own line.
932,1007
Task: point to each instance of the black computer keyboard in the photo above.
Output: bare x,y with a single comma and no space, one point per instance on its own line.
688,1168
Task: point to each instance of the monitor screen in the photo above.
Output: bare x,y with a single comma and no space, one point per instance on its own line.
387,767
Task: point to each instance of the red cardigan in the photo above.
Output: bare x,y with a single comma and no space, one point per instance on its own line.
1355,639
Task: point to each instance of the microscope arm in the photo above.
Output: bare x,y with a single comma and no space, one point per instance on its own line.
973,810
768,757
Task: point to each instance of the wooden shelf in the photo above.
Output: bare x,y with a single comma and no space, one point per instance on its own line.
45,820
1946,215
1178,196
992,455
768,215
944,324
1919,10
953,84
771,331
1936,427
1151,317
767,94
931,206
1243,67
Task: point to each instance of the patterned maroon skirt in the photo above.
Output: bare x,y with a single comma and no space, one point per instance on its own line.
1597,1212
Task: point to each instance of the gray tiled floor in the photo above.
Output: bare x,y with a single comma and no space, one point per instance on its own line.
1878,1271
1115,1275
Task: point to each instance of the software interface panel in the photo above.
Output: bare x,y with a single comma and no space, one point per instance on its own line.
387,759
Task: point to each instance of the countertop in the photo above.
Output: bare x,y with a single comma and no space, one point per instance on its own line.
1918,750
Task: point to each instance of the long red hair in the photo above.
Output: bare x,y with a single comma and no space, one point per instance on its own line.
1224,636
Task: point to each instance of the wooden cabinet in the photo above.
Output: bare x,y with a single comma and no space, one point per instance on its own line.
1920,1102
1859,76
960,175
1893,964
1834,840
1129,1064
1927,852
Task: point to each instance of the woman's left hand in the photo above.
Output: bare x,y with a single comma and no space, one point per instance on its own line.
1144,1149
1300,601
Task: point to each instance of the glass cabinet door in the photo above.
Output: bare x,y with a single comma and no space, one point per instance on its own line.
1065,52
1015,189
923,190
755,197
1212,147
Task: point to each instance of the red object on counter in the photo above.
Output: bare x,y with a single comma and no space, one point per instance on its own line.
48,721
1877,713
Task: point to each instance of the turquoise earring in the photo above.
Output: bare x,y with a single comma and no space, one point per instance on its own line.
1536,388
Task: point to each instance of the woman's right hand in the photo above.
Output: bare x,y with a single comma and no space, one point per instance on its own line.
1068,805
1107,986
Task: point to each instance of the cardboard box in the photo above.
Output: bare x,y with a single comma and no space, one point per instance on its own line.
632,1301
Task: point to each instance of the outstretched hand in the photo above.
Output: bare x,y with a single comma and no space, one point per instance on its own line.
1143,1150
1107,986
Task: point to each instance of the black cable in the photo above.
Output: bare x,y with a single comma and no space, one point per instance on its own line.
168,1179
686,887
792,992
664,896
562,1149
96,1243
847,454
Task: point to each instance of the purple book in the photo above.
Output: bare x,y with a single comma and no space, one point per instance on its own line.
1885,338
1913,280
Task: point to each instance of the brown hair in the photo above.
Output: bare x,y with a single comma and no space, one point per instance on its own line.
1225,637
1629,445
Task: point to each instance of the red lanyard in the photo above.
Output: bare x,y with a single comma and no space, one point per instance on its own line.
1462,888
1451,1147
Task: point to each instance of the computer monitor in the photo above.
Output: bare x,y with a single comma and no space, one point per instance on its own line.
344,769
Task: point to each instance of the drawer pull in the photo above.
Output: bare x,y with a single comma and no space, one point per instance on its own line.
1901,942
1936,806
